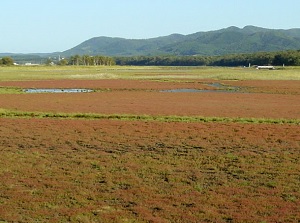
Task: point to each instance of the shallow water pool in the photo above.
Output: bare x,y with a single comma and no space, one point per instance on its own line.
57,90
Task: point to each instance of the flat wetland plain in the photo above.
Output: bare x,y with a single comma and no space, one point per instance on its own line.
150,144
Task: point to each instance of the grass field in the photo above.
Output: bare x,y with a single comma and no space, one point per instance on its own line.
132,152
161,73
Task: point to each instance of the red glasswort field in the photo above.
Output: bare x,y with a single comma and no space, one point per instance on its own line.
84,170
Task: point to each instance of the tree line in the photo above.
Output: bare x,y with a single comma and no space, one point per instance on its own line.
84,60
77,60
87,60
289,58
6,61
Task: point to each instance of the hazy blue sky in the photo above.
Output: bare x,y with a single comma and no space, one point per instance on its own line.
57,25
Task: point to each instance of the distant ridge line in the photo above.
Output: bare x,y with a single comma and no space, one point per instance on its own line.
231,40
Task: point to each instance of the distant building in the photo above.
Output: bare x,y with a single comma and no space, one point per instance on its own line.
265,67
31,64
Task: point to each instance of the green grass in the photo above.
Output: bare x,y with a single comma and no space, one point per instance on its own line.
127,117
10,90
152,73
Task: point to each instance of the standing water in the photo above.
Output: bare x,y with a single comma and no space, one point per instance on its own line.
57,90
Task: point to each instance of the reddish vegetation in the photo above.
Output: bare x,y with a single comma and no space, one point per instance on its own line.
131,97
270,86
88,171
109,83
55,170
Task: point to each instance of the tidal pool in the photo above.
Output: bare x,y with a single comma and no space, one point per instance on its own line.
182,90
57,90
219,88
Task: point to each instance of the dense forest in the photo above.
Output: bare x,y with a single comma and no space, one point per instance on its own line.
231,40
289,58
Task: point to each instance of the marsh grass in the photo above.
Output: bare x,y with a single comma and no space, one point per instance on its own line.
156,73
10,90
129,117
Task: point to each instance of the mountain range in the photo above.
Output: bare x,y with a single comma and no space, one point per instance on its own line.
231,40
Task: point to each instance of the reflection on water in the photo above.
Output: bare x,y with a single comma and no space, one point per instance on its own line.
219,88
57,90
182,90
217,85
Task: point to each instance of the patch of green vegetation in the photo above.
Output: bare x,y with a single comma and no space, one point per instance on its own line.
10,90
143,72
128,117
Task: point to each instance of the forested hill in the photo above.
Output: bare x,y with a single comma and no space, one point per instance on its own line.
249,39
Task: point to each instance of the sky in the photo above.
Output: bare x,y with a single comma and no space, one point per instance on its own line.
45,26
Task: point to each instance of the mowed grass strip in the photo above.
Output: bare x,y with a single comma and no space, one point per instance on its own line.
129,117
